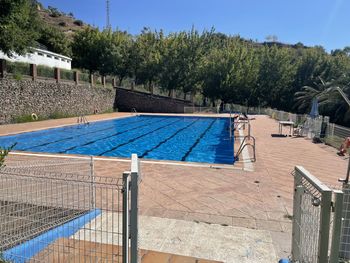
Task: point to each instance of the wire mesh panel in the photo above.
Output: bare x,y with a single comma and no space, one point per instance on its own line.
56,210
311,218
344,250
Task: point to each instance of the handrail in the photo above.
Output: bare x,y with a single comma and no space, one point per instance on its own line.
82,120
230,125
246,143
133,110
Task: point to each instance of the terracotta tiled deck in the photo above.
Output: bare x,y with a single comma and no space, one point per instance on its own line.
261,199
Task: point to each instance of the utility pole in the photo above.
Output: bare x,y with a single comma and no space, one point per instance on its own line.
108,22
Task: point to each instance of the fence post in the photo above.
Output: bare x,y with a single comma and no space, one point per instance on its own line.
57,75
298,192
92,175
172,94
135,174
325,219
126,185
103,80
337,226
33,71
2,68
76,77
345,244
92,79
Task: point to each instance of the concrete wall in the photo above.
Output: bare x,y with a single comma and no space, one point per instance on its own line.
45,98
41,57
144,102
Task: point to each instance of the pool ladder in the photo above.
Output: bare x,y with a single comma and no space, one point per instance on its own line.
133,110
82,120
248,141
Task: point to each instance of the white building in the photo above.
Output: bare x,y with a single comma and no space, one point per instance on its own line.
41,57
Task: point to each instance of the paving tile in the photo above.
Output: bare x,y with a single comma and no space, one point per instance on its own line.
258,199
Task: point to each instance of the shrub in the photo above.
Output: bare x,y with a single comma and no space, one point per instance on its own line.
78,22
62,23
3,153
84,77
17,76
25,118
18,68
59,115
54,12
45,72
67,74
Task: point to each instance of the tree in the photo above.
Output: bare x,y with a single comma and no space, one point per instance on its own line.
55,40
147,53
172,62
115,54
277,72
86,50
18,26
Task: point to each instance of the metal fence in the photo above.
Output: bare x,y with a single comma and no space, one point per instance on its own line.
199,109
317,220
58,210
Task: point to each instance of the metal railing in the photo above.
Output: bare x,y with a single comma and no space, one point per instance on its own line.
200,109
317,220
57,210
82,120
247,142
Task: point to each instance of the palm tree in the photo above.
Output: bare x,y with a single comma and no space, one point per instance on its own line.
308,93
330,100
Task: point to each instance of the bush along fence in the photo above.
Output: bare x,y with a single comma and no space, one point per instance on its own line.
320,127
18,70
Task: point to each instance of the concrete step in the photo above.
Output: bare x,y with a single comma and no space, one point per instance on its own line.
66,250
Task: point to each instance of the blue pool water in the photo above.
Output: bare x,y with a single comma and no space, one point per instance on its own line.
193,139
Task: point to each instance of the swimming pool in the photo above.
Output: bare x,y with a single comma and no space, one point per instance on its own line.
192,139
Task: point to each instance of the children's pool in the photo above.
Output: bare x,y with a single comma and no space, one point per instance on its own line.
192,139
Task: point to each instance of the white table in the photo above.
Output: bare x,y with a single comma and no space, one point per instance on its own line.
281,124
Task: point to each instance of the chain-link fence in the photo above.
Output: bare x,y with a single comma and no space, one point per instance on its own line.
58,210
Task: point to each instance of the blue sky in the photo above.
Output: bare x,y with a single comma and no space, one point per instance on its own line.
312,22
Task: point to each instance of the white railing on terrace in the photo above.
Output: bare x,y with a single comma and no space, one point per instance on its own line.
310,127
200,109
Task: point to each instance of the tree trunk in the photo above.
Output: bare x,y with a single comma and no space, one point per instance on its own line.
121,80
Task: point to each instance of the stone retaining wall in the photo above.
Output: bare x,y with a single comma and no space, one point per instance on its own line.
48,98
145,102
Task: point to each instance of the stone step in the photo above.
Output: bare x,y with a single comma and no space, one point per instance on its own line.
66,250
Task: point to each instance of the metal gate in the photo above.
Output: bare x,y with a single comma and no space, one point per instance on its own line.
317,219
58,210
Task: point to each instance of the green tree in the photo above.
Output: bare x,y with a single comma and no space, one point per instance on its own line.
86,50
147,53
18,26
55,40
172,62
115,54
276,76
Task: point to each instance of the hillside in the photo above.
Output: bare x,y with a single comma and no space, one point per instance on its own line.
66,23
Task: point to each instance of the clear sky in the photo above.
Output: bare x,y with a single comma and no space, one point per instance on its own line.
312,22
